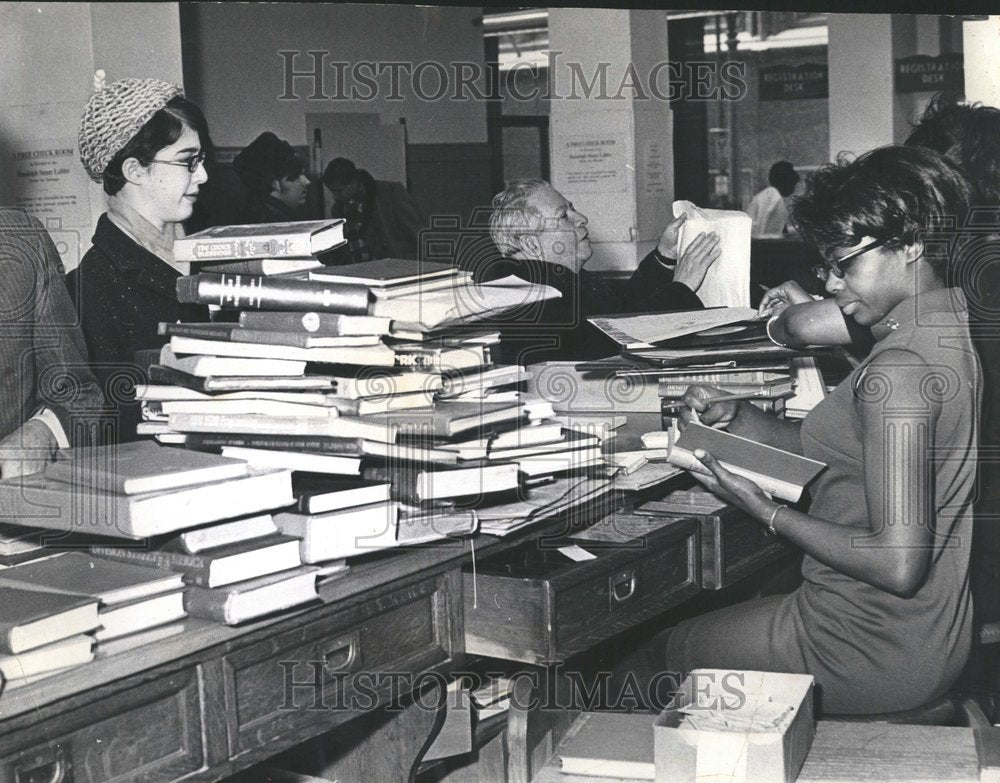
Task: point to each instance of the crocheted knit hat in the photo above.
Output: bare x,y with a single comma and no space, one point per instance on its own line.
115,114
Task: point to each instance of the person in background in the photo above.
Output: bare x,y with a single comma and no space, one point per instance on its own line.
883,617
382,218
143,141
543,239
275,178
51,398
969,135
353,193
769,208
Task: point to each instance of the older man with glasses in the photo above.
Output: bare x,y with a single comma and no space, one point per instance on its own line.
543,238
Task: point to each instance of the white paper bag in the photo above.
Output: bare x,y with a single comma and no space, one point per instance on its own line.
727,283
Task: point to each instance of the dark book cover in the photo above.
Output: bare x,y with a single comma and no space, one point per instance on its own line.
108,581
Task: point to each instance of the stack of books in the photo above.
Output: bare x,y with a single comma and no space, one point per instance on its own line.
138,490
765,389
43,631
389,408
262,249
136,605
252,574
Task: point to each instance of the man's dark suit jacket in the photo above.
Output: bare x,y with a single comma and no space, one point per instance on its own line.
43,359
558,328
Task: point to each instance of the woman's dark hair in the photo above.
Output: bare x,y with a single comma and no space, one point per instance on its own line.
968,135
891,193
290,168
161,130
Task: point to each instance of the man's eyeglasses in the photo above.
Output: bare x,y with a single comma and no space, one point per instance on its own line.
839,266
191,164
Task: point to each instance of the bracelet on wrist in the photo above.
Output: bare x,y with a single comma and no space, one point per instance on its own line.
770,522
771,337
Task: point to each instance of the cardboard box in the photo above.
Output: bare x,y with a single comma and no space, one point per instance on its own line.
687,755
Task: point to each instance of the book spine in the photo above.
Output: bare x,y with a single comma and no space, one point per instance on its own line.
159,373
250,423
199,331
315,324
272,337
208,604
402,478
211,440
235,291
231,249
194,568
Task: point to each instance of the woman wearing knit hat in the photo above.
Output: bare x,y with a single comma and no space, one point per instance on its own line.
143,141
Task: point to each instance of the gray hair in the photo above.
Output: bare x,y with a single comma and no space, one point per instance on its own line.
513,216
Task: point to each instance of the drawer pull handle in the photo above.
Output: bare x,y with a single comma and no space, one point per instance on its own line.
54,770
623,585
341,655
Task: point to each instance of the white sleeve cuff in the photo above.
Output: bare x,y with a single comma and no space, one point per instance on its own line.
48,417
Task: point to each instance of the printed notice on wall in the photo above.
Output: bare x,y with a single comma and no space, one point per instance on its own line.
592,164
654,173
48,181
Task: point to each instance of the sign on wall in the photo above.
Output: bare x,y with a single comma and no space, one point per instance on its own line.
923,73
794,82
47,180
592,164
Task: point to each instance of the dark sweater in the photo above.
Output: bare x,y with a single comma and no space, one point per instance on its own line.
122,292
558,329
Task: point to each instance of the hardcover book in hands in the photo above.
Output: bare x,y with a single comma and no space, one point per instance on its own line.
779,473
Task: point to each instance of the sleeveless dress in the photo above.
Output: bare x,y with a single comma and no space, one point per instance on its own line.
870,651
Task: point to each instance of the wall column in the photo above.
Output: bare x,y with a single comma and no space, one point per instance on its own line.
612,128
981,44
861,96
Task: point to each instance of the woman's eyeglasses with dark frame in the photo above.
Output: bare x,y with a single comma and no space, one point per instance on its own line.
191,164
839,266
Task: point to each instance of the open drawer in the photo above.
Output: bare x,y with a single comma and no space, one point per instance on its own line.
533,603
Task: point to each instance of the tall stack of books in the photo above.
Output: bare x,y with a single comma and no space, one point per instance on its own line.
386,385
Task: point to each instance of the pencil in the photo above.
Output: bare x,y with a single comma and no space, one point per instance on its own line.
710,400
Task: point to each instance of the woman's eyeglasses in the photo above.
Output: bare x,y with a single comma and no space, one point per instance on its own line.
839,266
191,164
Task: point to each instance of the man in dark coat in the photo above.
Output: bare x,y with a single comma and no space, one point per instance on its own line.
50,397
544,239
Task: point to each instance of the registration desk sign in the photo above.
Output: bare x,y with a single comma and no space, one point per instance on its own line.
923,73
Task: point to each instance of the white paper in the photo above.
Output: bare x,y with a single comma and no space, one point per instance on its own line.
727,283
577,553
641,331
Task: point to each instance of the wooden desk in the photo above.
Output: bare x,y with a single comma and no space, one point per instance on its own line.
861,753
213,701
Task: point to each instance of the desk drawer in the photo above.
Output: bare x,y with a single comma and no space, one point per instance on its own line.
322,671
149,733
733,544
533,604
